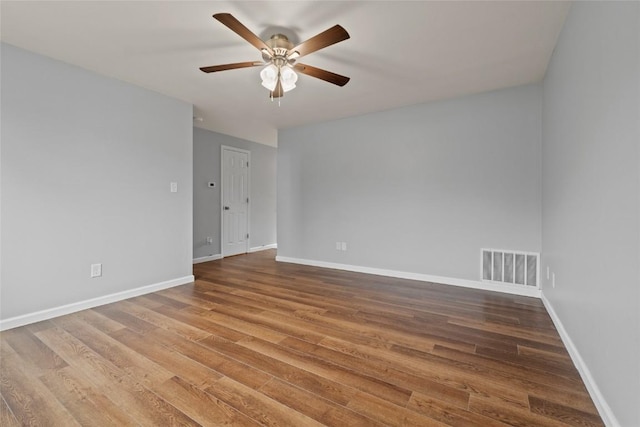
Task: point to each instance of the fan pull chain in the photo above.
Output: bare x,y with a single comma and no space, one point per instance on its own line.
271,97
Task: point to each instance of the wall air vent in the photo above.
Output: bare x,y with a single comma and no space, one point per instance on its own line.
510,267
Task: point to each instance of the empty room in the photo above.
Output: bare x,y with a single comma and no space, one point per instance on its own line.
308,213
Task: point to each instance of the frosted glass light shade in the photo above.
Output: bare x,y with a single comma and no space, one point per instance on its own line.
270,73
288,78
269,76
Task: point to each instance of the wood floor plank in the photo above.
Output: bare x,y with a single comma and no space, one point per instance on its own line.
145,301
7,419
331,370
317,328
227,366
180,365
490,341
161,299
417,329
534,359
186,294
388,413
117,314
325,411
98,321
191,315
517,417
281,300
30,401
370,332
562,358
527,377
238,325
319,385
128,393
518,331
83,400
448,414
267,301
452,375
262,319
563,413
381,370
257,342
165,322
39,326
201,406
121,356
258,406
34,352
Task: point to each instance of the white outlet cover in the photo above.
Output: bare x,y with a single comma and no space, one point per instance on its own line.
174,187
96,270
344,246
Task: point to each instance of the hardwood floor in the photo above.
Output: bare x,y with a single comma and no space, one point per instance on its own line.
255,342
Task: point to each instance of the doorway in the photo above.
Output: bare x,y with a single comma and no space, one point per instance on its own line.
235,201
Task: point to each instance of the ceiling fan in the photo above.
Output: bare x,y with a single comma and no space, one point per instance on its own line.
279,56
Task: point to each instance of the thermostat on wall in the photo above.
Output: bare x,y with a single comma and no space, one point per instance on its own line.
211,184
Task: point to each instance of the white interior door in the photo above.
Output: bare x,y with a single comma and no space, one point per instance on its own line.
235,201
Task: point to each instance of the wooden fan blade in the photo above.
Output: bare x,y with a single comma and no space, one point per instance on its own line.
277,91
214,68
234,25
321,74
326,38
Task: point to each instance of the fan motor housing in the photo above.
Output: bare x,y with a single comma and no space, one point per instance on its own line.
279,40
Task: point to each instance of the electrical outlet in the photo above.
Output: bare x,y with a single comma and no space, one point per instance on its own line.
173,187
209,240
96,270
344,246
553,280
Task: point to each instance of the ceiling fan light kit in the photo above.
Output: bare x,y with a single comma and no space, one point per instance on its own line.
271,73
279,55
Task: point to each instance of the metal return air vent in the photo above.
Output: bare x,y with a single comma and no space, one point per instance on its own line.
517,268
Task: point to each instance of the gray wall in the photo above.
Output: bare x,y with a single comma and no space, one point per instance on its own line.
86,167
206,211
418,189
591,194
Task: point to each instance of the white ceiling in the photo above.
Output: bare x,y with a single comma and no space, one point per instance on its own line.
400,53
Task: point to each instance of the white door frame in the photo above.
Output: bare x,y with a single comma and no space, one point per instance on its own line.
248,153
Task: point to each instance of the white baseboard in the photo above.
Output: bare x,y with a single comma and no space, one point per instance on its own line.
263,248
219,256
207,258
524,291
38,316
603,407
